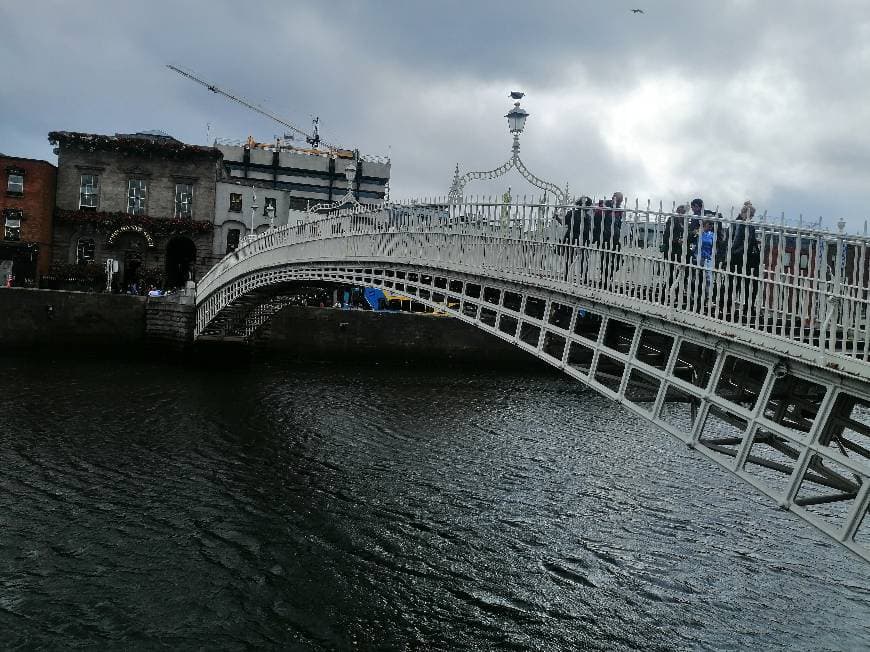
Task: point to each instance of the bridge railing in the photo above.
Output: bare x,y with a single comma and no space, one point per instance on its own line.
792,281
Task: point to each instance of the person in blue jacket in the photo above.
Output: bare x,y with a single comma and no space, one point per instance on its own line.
707,240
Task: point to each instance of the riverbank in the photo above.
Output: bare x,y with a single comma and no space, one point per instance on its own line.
57,321
60,320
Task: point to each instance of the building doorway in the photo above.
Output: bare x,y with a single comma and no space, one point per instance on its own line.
132,267
18,260
129,251
180,262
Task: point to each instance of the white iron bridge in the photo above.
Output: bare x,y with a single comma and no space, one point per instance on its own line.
759,362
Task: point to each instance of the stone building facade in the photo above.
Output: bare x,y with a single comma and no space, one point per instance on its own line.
263,184
26,211
145,200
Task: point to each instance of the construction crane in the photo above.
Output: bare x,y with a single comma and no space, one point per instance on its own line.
312,139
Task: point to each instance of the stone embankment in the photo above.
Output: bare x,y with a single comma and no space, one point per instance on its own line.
169,321
327,333
55,320
68,320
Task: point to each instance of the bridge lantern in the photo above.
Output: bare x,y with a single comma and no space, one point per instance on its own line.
516,119
350,174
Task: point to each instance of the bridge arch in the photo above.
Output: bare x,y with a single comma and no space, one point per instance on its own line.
772,413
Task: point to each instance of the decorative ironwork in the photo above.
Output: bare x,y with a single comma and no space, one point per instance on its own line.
349,197
159,226
130,228
457,188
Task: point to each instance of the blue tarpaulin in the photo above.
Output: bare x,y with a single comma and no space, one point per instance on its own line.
375,298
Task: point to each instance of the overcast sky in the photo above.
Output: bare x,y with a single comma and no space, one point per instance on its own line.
727,100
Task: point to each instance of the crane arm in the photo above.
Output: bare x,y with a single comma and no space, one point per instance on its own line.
312,140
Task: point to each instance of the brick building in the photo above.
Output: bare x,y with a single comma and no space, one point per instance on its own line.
26,210
144,199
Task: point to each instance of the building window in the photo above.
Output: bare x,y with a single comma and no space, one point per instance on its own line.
85,251
89,192
12,219
183,200
15,182
297,203
270,207
232,240
235,202
137,194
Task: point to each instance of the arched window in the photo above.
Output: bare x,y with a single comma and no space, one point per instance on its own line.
85,251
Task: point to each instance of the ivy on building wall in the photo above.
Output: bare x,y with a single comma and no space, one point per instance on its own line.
159,226
88,277
165,147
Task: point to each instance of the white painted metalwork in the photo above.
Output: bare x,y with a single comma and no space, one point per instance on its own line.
516,122
764,369
349,198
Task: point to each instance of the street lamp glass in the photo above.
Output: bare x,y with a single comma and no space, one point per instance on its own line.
350,173
516,119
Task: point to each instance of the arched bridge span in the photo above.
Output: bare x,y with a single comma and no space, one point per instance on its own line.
784,407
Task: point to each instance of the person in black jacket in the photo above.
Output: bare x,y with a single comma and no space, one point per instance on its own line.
607,236
745,262
577,225
672,242
613,222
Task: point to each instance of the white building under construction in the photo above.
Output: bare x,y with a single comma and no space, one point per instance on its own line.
274,183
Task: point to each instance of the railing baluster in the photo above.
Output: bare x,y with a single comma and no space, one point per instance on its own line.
802,291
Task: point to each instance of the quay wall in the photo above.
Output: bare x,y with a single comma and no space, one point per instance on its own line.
330,333
169,322
57,319
69,321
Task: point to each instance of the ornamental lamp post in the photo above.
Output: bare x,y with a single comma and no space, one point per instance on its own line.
350,175
254,208
516,118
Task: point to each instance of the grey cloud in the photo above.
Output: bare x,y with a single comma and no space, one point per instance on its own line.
430,81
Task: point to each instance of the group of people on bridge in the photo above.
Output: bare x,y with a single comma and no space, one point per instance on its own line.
693,242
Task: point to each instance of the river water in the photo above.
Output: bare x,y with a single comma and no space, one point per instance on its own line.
257,503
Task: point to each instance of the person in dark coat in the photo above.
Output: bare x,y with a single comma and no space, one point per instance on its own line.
608,233
672,242
577,226
698,213
745,262
576,223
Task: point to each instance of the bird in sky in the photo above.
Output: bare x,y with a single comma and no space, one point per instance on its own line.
637,11
517,95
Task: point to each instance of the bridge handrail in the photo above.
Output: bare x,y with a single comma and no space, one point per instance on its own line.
808,284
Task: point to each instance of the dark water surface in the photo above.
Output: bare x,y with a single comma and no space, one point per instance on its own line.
148,505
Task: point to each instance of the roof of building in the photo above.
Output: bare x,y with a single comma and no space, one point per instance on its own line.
23,159
145,142
151,132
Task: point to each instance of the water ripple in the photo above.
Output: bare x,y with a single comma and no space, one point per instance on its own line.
283,506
